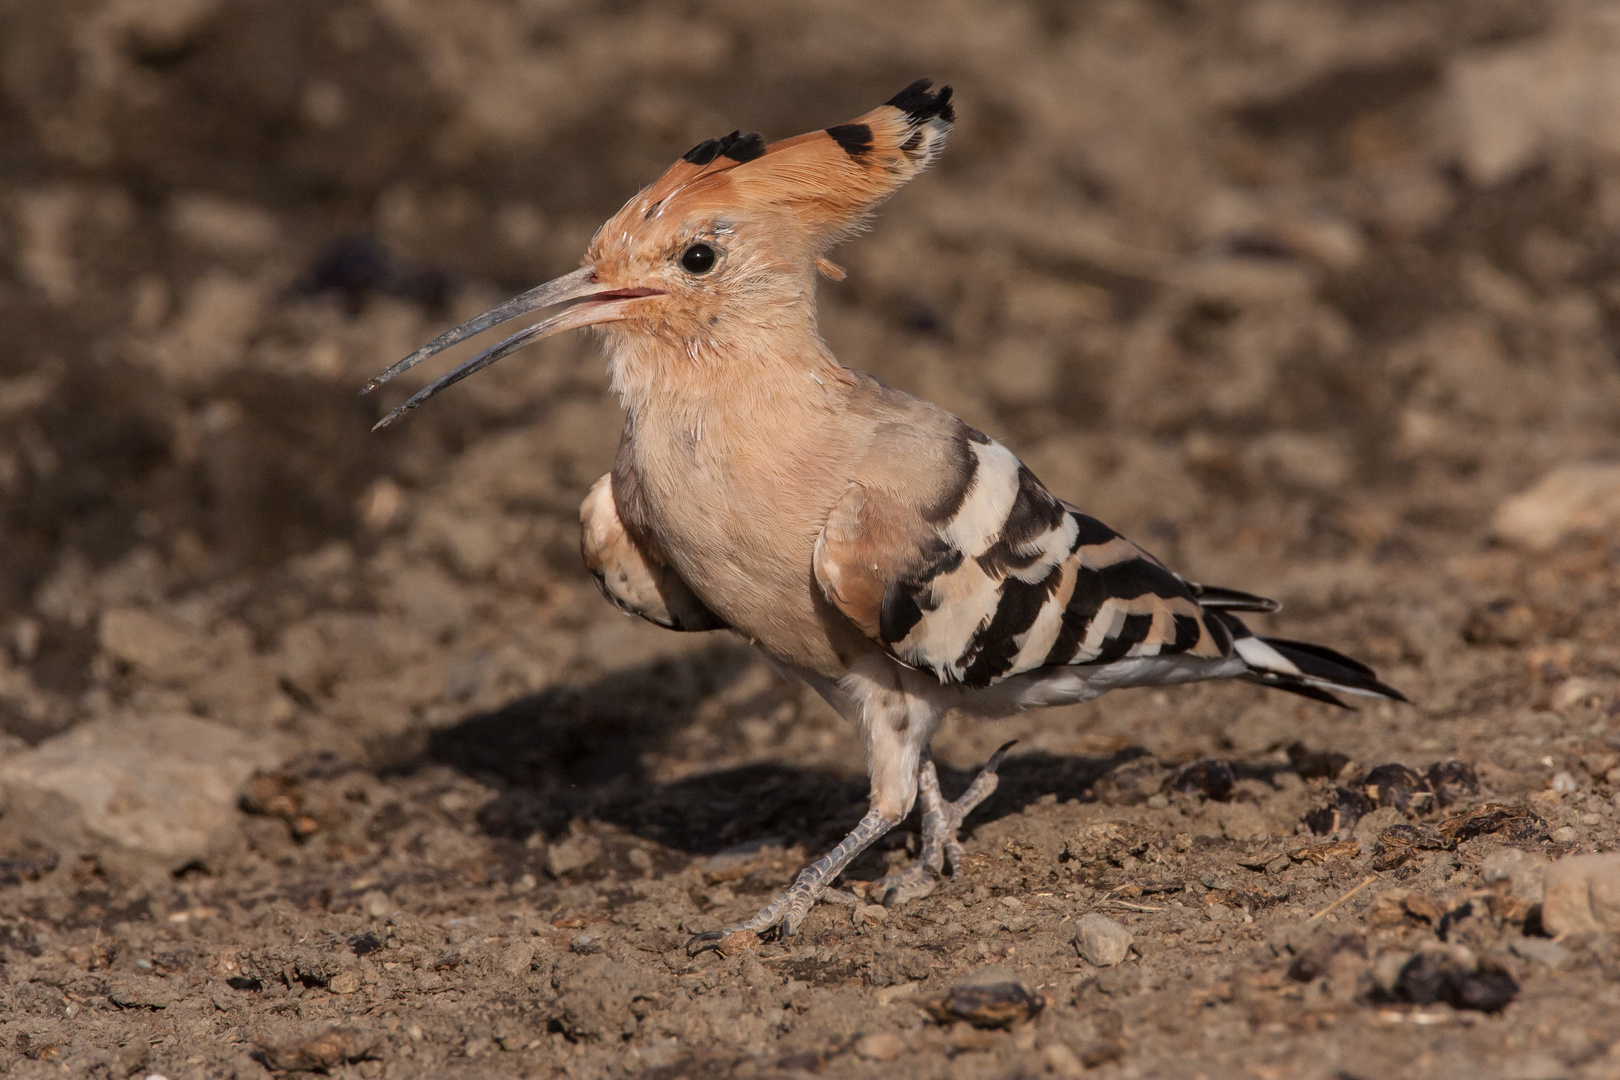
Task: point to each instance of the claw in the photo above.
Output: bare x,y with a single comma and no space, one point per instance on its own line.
708,941
995,759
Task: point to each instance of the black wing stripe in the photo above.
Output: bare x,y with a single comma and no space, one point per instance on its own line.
1189,629
1092,532
1138,577
1133,631
1084,603
996,646
905,601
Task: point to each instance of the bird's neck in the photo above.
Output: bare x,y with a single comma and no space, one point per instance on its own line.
778,372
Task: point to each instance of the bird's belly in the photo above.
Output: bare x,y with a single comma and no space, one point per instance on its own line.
760,580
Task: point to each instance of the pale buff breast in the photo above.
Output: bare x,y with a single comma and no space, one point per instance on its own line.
737,497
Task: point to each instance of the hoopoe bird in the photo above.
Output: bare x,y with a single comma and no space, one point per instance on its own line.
896,559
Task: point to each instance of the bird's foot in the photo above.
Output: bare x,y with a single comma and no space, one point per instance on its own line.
941,821
780,917
783,915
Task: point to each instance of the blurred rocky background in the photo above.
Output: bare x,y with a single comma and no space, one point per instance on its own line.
1317,299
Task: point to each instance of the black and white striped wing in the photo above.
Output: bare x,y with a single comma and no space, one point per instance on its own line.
998,578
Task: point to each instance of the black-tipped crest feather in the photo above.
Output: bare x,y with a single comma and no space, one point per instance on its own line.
919,104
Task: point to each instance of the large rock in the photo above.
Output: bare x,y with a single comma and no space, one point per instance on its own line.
1102,941
163,788
1582,895
1570,499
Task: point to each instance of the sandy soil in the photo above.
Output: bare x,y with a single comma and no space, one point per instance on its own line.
1294,294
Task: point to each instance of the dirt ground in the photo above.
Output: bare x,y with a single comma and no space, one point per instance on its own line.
1295,294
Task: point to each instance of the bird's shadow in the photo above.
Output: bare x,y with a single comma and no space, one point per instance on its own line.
578,753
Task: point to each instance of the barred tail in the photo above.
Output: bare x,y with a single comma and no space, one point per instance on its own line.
1299,667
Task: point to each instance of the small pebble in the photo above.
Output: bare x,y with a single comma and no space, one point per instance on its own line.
376,904
1520,870
1574,692
1102,941
1535,1066
879,1046
1062,1061
1565,835
971,1040
1564,784
1582,895
1543,951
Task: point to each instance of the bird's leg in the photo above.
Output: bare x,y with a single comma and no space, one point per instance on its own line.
788,910
940,822
898,726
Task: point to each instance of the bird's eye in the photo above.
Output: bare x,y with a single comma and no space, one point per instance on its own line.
698,259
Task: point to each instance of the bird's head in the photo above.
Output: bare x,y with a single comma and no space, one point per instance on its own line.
726,243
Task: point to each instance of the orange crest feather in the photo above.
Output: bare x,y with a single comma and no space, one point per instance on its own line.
828,180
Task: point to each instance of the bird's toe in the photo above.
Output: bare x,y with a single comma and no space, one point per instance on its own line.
913,883
704,942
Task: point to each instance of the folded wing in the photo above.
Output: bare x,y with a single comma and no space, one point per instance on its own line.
994,577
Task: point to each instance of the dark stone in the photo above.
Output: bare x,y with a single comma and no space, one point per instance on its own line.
1348,807
993,1005
1400,787
1210,778
1310,764
364,944
1435,977
1452,781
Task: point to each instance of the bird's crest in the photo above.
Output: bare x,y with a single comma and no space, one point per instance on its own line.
828,180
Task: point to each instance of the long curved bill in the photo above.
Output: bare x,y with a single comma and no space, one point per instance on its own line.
592,305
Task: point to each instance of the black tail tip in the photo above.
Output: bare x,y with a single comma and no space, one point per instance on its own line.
920,103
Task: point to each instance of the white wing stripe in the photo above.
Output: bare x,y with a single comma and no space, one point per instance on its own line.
1043,634
989,501
1256,653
